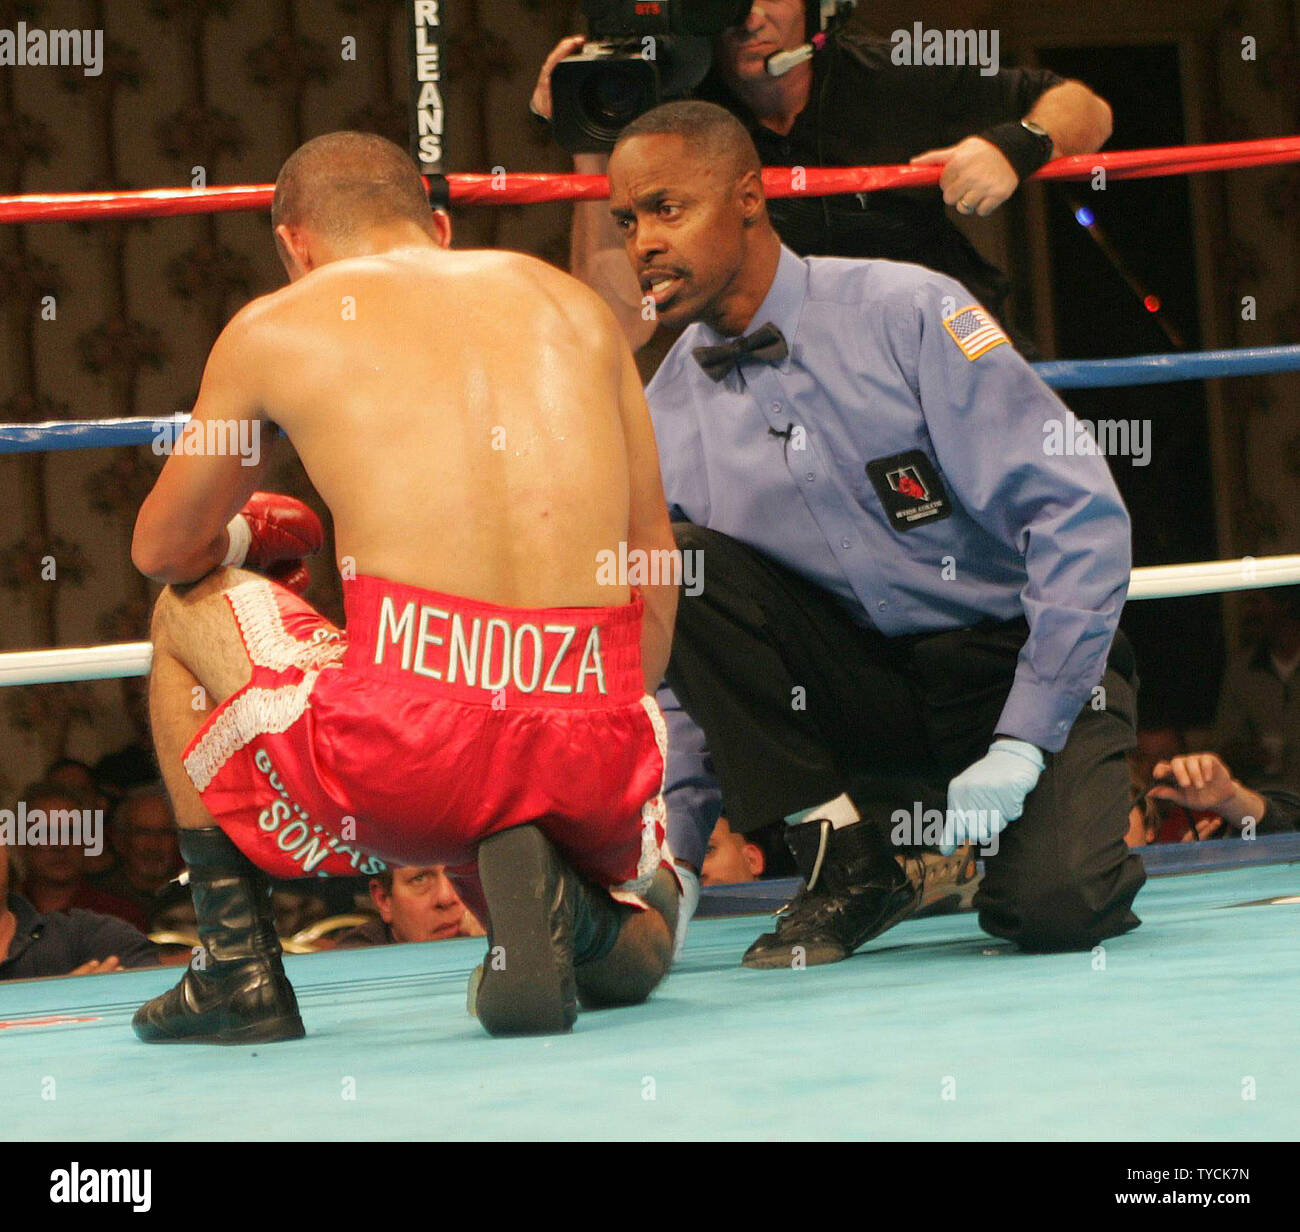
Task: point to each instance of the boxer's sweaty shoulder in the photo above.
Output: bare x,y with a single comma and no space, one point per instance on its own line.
459,413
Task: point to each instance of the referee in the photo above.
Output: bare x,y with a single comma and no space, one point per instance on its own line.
907,630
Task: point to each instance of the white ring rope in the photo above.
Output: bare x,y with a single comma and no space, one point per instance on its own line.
112,662
1213,577
123,659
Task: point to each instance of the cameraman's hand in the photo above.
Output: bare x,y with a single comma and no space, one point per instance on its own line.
541,101
976,176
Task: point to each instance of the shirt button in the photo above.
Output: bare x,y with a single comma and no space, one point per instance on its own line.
845,543
776,408
880,607
810,476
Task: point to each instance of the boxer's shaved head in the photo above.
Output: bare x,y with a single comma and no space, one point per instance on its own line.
709,131
342,184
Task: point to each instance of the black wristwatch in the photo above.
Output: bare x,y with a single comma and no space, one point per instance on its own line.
1024,144
1044,137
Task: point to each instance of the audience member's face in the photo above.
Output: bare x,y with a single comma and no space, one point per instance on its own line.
148,839
55,863
424,906
79,778
772,25
681,221
729,858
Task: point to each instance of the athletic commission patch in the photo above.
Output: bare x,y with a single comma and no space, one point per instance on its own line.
910,489
974,331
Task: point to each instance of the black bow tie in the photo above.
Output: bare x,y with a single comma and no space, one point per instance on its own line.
766,344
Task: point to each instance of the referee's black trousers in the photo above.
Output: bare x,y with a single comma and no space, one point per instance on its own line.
799,703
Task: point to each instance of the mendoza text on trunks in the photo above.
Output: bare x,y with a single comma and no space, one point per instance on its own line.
488,654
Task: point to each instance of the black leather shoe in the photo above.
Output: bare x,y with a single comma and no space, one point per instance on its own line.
544,919
238,993
854,891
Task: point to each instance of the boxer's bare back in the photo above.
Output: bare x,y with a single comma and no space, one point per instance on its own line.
473,419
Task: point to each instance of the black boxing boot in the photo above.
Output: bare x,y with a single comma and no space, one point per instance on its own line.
854,890
543,919
239,994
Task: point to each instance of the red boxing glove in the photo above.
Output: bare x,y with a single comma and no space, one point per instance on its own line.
272,535
292,574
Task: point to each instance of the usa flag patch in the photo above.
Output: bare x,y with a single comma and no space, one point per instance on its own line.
974,331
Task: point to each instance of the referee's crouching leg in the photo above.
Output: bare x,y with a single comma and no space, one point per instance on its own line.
1063,878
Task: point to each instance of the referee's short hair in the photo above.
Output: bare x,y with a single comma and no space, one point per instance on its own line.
709,129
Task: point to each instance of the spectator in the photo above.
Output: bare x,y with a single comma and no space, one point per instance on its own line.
69,772
144,833
1206,799
731,857
56,870
34,945
1152,819
1257,728
414,904
134,764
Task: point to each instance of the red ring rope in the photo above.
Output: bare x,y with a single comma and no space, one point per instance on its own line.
537,188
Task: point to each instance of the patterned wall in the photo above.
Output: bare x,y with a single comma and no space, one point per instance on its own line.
232,86
229,86
1252,98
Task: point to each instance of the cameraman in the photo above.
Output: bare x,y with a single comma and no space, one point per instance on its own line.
850,105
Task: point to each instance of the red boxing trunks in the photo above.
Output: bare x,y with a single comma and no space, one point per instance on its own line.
430,724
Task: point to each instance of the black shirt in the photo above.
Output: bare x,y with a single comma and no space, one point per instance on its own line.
1283,812
864,110
372,932
60,942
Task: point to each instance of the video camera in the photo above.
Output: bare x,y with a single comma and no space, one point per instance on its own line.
641,53
645,52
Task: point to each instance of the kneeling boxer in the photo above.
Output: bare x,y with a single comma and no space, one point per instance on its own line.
475,424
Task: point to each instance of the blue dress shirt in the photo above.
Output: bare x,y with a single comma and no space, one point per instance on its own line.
880,383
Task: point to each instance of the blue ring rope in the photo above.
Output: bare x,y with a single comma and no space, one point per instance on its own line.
1059,374
1158,369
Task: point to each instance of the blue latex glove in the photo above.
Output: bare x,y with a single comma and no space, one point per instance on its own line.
686,906
984,797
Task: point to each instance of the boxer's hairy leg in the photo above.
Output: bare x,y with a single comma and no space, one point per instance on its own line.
641,956
198,661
